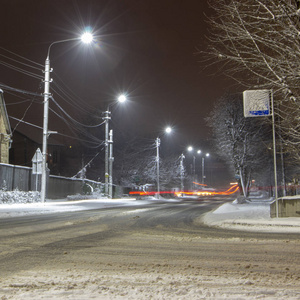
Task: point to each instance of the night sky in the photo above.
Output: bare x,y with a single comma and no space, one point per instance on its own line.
145,48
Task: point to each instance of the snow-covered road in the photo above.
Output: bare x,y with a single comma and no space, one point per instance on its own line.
141,250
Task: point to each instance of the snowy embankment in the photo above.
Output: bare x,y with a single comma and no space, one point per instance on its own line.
16,196
20,209
253,216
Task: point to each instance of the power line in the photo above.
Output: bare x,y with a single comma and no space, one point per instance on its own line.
72,119
61,134
22,57
6,87
21,70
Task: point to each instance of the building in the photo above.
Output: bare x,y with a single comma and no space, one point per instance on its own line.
26,139
5,132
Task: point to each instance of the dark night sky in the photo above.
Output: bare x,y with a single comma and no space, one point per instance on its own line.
146,48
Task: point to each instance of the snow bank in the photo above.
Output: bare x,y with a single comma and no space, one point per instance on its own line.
250,216
17,196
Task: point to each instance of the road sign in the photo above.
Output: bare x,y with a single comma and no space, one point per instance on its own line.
37,162
257,103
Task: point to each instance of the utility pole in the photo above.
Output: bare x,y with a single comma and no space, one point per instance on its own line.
110,169
45,126
106,119
157,166
181,171
203,175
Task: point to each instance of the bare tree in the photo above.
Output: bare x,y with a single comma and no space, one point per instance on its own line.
241,142
258,44
136,165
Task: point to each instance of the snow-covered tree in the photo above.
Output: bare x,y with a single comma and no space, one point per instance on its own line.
241,142
258,44
136,164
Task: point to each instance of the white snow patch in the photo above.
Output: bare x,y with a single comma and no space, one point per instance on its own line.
251,216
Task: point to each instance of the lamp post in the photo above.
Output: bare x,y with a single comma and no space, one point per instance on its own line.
168,130
203,175
157,141
108,187
85,38
191,149
182,157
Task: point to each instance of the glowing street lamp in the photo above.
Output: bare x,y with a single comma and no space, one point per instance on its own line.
108,187
203,175
168,130
122,98
85,38
191,149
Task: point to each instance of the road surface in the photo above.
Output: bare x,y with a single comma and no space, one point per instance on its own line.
159,250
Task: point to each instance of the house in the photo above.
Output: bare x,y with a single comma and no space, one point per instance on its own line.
26,139
5,132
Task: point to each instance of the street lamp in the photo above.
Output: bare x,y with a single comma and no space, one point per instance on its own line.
108,187
203,175
86,38
168,130
182,157
191,149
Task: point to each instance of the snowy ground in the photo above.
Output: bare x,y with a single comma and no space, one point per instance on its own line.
253,216
155,264
56,206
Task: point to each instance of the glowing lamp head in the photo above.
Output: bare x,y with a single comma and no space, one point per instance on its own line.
190,148
199,151
168,129
207,155
87,38
122,98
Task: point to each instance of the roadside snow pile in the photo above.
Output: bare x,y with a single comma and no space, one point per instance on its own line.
16,196
94,195
248,210
231,214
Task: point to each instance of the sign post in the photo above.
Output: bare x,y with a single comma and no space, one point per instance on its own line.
259,103
37,167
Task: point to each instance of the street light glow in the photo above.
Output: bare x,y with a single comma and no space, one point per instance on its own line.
199,151
122,98
190,148
87,38
207,155
168,129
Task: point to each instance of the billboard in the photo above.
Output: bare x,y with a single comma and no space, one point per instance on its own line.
257,103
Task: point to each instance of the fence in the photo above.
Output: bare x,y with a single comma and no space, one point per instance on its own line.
17,177
61,187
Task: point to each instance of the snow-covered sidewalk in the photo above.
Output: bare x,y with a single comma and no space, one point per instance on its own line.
252,216
56,206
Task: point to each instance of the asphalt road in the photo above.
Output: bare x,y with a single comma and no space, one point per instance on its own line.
162,239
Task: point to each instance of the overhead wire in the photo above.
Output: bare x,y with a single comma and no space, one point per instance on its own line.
26,110
58,133
21,63
73,124
38,64
73,128
7,87
74,99
87,165
21,70
72,119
